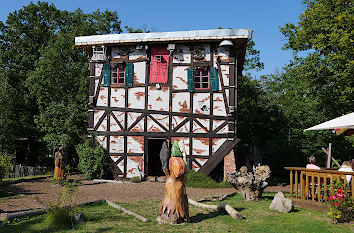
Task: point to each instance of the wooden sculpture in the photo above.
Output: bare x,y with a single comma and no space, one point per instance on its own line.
59,162
250,184
174,206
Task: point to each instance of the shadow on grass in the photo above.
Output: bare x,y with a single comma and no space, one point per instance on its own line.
104,229
24,226
200,217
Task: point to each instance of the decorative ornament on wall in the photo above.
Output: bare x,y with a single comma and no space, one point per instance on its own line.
198,53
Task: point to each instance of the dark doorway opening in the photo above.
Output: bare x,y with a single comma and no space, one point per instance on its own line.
154,163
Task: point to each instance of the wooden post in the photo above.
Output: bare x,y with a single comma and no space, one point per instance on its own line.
312,186
329,155
318,187
307,185
296,184
302,185
325,187
291,183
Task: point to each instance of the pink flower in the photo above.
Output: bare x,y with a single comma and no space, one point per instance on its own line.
335,203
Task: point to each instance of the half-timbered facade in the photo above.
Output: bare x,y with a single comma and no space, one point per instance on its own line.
149,87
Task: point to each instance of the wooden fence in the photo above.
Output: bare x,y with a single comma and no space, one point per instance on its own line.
310,184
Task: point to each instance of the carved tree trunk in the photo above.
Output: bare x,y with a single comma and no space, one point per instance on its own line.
174,206
250,185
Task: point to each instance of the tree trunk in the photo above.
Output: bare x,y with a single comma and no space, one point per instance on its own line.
250,184
174,206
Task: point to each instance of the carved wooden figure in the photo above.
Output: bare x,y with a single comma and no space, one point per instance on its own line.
59,162
174,206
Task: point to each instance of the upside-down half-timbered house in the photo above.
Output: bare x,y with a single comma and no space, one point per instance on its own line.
149,87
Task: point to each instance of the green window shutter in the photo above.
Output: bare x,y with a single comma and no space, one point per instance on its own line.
190,80
214,79
106,75
129,78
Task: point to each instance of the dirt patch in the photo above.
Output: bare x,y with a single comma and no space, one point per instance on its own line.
37,194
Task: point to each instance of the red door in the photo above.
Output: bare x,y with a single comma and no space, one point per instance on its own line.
159,64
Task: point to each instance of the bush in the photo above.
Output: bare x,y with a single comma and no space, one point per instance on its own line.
90,160
59,217
5,164
60,212
199,180
341,205
135,179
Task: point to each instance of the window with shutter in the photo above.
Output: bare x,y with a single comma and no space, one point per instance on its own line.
190,80
129,74
203,78
214,79
118,74
106,75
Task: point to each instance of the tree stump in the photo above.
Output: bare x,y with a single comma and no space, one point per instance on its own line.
174,206
250,185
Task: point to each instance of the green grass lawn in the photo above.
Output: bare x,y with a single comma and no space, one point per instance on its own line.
9,180
103,218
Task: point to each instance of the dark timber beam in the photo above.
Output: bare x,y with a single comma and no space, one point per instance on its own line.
215,159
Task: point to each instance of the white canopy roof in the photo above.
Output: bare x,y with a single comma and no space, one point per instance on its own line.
346,121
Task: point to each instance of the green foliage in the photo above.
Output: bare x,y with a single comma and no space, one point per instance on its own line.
5,164
340,204
90,160
60,212
199,180
135,179
43,76
319,86
103,218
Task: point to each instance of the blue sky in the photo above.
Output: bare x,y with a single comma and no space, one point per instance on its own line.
264,17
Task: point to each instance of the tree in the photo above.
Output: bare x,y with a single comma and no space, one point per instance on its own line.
320,85
46,74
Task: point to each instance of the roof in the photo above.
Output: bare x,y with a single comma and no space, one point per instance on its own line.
196,35
346,121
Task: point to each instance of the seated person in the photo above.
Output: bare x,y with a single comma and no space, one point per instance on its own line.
312,164
346,167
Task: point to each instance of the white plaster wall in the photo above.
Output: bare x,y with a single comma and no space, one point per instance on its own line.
120,117
158,99
135,144
181,54
225,71
133,165
102,97
116,144
201,103
137,54
118,97
180,78
177,120
217,142
132,116
200,146
219,105
136,97
181,102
